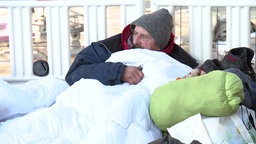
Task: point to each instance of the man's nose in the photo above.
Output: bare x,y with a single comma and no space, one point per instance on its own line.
136,40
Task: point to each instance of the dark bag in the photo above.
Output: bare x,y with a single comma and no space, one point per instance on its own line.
210,65
240,58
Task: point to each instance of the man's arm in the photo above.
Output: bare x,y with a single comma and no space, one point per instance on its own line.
90,63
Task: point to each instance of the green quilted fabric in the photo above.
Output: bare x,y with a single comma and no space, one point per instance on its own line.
217,93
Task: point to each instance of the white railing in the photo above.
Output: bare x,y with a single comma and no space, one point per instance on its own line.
200,23
58,31
94,12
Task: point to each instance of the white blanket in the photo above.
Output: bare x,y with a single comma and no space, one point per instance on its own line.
19,99
89,112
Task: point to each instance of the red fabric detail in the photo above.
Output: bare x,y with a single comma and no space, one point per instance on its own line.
127,32
202,69
168,49
231,58
125,35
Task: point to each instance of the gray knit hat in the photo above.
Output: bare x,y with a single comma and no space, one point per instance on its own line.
158,24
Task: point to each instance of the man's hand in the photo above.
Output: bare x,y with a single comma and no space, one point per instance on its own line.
132,75
195,72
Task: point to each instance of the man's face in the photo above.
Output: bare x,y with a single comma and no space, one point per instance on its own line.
142,39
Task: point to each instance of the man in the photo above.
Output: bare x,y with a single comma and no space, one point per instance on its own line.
152,31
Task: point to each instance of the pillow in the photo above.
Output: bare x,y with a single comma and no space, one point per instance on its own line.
217,93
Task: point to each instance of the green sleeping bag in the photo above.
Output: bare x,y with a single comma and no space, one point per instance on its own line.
217,93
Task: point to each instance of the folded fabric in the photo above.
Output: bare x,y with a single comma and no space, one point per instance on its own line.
19,99
217,93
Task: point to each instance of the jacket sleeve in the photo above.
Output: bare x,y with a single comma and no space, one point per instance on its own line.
182,56
90,63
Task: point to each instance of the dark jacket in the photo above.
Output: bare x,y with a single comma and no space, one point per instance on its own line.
90,62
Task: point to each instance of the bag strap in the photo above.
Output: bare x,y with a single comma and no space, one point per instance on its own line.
242,129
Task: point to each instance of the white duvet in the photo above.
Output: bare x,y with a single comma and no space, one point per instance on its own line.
92,113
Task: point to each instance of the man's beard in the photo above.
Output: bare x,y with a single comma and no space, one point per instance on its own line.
136,46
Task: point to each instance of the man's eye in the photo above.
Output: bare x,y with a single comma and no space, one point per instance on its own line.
144,36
